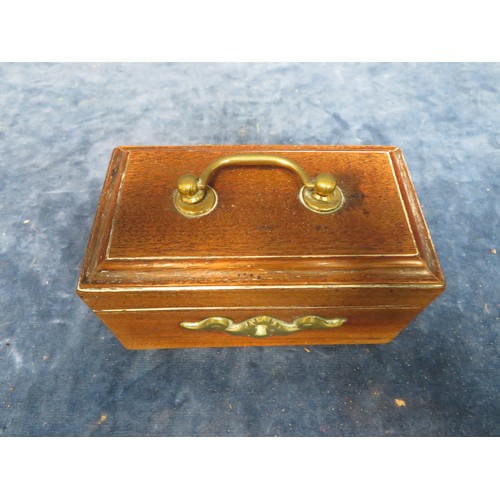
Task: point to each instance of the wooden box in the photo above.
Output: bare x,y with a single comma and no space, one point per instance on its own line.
259,245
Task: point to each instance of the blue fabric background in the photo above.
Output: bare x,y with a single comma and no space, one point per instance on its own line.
63,373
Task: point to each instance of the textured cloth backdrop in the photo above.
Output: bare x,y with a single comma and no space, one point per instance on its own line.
63,373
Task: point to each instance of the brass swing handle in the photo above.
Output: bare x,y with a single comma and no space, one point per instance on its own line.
195,198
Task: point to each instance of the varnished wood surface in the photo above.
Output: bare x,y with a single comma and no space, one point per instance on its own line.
372,296
218,270
259,213
156,329
260,247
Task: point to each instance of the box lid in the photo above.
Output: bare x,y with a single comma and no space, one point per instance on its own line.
260,234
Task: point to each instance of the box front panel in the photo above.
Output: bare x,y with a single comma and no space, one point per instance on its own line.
215,327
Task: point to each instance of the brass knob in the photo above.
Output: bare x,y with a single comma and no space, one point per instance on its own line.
190,200
187,185
324,197
324,185
195,198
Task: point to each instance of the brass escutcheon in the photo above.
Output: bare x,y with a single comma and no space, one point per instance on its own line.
195,198
263,326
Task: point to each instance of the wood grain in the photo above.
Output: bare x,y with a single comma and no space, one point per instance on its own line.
260,248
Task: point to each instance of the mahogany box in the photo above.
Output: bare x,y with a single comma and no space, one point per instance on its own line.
204,246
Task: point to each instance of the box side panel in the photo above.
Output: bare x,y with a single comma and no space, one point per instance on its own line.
162,329
417,219
101,229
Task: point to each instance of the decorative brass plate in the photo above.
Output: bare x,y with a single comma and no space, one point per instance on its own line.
263,326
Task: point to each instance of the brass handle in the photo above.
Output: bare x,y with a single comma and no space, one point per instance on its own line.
195,198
